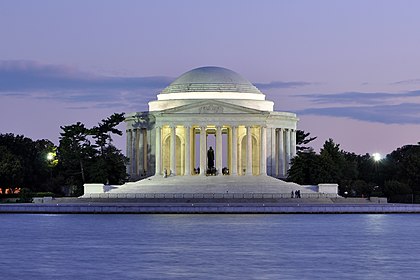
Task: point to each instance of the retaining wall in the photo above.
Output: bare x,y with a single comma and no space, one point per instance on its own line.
115,208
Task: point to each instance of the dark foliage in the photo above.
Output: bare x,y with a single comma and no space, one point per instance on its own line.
23,162
359,175
82,161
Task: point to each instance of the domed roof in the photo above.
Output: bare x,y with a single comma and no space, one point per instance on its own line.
211,79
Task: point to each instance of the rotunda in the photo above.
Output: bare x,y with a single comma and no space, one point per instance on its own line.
210,105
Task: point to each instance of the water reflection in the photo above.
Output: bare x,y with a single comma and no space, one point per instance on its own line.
209,246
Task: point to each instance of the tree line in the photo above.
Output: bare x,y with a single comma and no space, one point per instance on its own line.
396,175
83,155
88,155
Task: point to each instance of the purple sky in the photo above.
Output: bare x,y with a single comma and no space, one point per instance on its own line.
351,70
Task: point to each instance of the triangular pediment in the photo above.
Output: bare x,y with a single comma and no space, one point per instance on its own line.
211,107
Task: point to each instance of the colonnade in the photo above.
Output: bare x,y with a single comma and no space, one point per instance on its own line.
241,159
283,149
137,150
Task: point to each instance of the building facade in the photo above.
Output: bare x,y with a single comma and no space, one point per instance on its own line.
172,138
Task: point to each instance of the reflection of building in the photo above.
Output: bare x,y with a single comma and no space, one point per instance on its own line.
250,138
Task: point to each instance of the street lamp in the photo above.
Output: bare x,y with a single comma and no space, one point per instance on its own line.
52,161
376,156
50,156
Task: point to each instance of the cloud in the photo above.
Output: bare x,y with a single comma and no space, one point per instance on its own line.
24,78
21,78
404,113
358,97
380,107
407,82
83,90
280,84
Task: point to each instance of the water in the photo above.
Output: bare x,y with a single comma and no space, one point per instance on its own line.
209,246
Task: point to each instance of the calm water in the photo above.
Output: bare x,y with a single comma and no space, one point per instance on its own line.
209,246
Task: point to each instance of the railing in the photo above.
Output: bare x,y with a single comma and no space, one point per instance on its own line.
208,195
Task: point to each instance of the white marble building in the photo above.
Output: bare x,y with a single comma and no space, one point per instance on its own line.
251,138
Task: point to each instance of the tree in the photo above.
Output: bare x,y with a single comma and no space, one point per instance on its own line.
303,165
10,169
396,188
80,161
403,165
109,166
332,165
332,161
31,156
304,168
302,138
407,164
74,151
102,132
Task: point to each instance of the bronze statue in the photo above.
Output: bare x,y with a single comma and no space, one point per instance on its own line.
210,158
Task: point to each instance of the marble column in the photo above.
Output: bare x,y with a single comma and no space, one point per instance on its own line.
128,149
287,163
158,170
263,156
187,151
172,150
274,157
293,143
145,151
219,149
248,151
193,146
140,152
203,152
234,159
281,156
134,153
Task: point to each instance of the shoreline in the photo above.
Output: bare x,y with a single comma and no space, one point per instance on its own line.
206,208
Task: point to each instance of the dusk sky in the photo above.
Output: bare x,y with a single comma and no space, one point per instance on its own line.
349,69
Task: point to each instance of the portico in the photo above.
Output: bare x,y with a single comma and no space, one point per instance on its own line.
245,150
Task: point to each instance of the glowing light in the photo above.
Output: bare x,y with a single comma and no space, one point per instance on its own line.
376,156
50,156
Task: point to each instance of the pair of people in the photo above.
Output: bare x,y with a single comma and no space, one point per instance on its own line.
296,194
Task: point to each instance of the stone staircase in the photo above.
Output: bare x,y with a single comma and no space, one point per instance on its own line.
209,184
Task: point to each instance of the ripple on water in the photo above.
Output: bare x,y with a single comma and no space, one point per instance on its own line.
209,246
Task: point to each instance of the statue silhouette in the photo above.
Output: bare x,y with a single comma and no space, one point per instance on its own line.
210,158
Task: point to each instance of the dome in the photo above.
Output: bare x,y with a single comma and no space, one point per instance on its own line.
211,79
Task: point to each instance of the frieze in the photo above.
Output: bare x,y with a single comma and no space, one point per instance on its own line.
211,109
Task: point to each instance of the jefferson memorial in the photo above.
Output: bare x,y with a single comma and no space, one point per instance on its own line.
210,131
172,137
